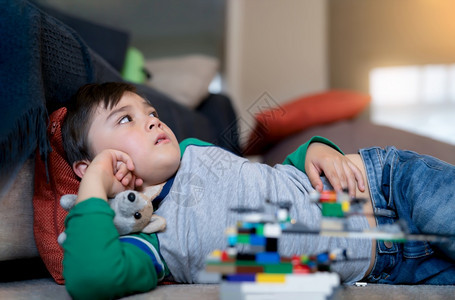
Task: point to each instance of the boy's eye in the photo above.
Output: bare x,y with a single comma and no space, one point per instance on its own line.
154,114
125,119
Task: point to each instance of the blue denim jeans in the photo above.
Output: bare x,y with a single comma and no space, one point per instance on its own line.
419,191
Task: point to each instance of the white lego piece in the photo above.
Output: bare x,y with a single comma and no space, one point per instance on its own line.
272,230
318,285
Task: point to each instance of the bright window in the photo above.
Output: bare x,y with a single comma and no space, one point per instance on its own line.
420,99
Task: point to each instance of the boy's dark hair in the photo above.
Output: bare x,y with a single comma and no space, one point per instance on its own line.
80,112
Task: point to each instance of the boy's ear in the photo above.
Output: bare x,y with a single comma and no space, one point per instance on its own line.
79,167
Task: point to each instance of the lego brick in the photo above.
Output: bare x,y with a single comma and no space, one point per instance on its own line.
247,263
220,268
246,225
332,210
345,206
244,230
328,197
268,257
304,259
243,238
301,269
282,268
323,257
257,240
311,286
270,278
260,229
232,240
249,269
271,245
225,257
241,277
246,256
272,230
283,215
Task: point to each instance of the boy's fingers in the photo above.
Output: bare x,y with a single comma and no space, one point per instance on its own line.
127,179
138,182
352,183
336,176
348,178
121,171
357,174
124,158
314,177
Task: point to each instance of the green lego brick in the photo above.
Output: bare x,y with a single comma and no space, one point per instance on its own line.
243,238
332,210
282,268
247,263
260,229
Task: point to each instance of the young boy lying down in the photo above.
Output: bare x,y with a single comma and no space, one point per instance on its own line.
115,140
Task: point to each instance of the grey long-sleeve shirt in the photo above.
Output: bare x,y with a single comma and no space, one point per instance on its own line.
210,181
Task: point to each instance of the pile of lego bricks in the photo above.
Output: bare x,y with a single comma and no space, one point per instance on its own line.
252,267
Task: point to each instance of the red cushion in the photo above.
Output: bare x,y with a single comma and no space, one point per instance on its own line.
49,216
273,125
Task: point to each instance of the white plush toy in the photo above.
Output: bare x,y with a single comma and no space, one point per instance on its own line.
133,212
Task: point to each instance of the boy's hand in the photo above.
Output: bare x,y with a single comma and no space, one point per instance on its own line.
337,168
109,173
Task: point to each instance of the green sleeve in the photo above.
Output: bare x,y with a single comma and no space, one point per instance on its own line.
96,264
297,158
191,141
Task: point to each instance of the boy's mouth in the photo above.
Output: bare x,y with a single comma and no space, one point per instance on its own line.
161,139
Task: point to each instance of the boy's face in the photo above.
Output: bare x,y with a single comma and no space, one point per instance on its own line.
132,126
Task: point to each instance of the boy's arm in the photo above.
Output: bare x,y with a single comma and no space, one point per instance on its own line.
320,156
96,264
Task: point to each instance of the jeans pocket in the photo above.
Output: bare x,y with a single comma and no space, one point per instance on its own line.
417,249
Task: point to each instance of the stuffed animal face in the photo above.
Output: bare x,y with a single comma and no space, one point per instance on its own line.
133,211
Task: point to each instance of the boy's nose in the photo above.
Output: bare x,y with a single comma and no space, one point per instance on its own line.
154,122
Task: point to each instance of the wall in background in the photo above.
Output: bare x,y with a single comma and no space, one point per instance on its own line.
158,27
275,51
411,43
379,33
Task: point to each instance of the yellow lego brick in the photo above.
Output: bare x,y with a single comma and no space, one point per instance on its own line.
345,206
216,253
270,278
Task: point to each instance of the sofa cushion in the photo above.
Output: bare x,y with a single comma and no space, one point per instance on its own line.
185,78
50,184
16,217
273,125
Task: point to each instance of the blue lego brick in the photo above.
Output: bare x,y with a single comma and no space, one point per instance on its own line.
268,258
248,225
240,277
323,257
232,240
257,240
